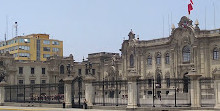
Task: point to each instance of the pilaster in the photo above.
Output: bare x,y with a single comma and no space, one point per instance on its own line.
67,91
194,89
217,90
89,90
2,92
132,89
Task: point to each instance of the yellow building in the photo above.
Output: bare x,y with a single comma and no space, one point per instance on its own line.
34,47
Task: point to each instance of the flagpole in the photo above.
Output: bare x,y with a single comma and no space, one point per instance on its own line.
214,14
205,17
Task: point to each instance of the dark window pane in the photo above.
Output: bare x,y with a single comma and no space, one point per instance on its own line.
215,54
32,70
79,71
131,60
20,82
167,60
149,60
20,70
61,69
32,81
186,54
43,70
158,59
93,71
43,81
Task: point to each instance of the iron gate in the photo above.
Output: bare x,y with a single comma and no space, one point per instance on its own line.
35,93
111,93
78,92
165,92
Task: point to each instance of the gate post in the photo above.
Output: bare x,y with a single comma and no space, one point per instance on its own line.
89,90
217,89
132,89
194,89
67,91
2,92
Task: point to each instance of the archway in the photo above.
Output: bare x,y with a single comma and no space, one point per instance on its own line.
185,83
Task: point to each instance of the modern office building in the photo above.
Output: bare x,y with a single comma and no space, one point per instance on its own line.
34,47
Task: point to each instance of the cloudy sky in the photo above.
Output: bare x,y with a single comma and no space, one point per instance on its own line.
90,26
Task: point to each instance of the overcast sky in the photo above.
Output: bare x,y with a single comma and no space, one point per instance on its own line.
90,26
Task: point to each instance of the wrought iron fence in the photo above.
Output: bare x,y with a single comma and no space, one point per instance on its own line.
35,93
165,92
111,93
207,92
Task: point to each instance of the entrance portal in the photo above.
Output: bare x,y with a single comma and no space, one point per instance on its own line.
77,95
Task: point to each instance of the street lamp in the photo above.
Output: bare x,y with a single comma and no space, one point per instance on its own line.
69,67
88,67
153,93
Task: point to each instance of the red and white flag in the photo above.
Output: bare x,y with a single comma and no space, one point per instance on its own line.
190,6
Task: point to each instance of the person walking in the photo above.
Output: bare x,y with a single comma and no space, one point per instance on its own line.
85,104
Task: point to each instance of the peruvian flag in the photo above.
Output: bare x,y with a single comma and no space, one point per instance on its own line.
190,6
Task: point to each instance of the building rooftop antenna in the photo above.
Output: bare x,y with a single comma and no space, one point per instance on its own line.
16,29
6,32
5,37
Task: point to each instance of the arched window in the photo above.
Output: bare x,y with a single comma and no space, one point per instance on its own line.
149,60
186,54
61,69
215,54
158,85
167,58
131,60
158,58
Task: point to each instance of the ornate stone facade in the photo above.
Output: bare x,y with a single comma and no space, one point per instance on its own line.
173,57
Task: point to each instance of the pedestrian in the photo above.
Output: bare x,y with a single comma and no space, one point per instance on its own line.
85,104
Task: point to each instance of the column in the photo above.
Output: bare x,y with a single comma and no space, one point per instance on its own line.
67,91
2,92
217,90
132,90
194,89
89,90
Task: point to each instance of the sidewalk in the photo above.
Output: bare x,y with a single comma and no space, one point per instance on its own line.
5,108
14,108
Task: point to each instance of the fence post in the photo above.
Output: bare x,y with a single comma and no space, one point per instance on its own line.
67,91
2,92
89,90
132,89
217,89
194,89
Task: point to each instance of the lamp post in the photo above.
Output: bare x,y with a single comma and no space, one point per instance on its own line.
69,67
153,93
88,67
